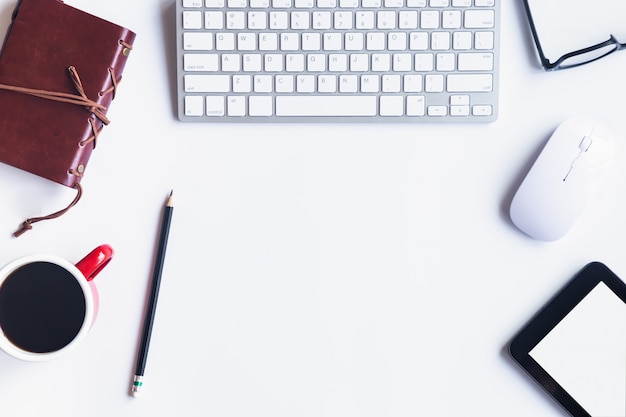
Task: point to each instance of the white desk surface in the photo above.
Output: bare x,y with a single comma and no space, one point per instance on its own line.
318,270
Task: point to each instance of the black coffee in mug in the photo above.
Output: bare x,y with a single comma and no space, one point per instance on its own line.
42,307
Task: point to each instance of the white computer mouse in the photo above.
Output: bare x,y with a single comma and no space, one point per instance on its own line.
562,180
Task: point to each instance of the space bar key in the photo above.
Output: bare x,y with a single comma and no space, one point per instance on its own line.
325,105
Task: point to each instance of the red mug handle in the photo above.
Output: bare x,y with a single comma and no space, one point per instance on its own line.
95,261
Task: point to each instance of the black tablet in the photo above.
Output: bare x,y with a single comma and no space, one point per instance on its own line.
575,346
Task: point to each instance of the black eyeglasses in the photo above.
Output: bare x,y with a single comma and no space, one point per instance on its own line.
575,58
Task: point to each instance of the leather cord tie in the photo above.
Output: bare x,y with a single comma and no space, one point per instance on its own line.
97,110
27,224
81,100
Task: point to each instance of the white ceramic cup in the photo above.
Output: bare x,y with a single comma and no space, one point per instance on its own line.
47,304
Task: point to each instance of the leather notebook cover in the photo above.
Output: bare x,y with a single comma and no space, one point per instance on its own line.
50,138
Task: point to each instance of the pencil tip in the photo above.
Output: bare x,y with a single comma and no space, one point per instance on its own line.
171,192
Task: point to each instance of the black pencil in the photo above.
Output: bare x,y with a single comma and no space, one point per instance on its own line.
142,356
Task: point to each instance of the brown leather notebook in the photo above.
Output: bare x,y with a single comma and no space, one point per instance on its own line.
59,71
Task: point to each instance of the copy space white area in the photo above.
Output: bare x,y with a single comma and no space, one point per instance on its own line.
586,353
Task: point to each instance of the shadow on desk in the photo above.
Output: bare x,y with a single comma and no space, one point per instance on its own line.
508,198
168,21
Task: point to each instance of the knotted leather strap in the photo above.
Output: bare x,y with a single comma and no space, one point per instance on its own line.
27,224
98,110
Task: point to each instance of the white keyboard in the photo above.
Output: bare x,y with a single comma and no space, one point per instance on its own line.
337,60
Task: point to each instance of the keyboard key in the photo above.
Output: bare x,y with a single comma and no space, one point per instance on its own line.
235,20
462,40
429,19
304,4
482,110
263,83
412,83
260,106
294,62
370,83
479,19
316,63
192,3
371,3
440,41
407,19
194,106
386,20
332,41
236,106
342,20
424,62
207,83
327,4
459,110
311,41
300,20
381,62
305,83
434,83
349,3
402,62
394,3
475,61
246,41
284,83
279,20
321,20
215,106
437,111
446,62
391,106
225,41
459,100
242,83
375,41
439,3
483,40
327,83
326,105
197,41
365,20
348,83
338,62
281,4
268,41
451,19
213,20
415,106
391,83
200,62
192,20
458,83
252,62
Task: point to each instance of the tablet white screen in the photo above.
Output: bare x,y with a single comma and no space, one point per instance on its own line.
586,353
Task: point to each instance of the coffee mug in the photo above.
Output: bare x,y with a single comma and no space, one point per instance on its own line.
47,305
